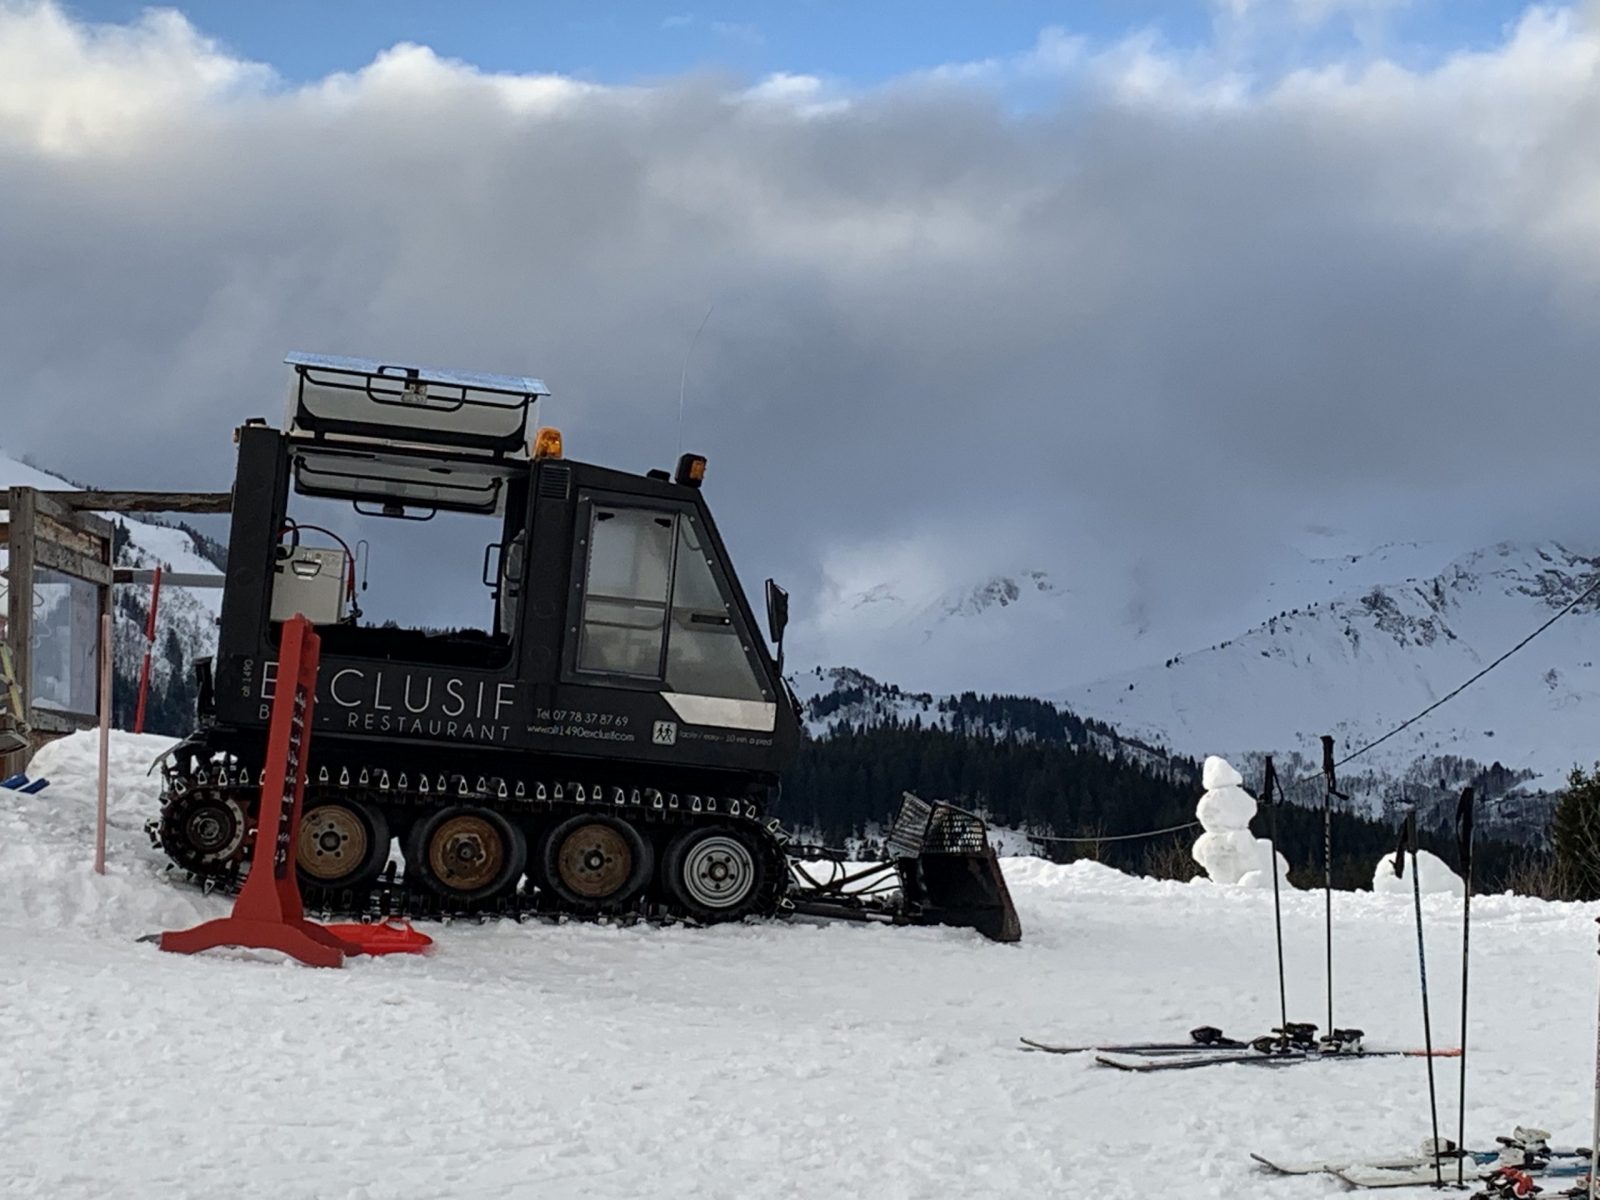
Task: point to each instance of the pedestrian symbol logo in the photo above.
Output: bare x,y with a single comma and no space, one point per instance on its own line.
666,733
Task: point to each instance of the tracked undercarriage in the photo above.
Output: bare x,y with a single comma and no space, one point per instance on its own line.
712,859
585,847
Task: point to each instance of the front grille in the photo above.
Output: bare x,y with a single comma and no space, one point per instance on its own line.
955,831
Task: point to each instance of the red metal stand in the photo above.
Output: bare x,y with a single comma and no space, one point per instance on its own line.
268,914
392,935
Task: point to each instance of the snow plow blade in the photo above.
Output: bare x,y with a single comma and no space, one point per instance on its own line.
949,873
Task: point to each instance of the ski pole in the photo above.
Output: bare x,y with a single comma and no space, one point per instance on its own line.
1594,1143
1464,844
1327,858
1271,782
1408,836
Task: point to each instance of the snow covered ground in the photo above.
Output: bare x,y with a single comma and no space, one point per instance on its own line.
769,1060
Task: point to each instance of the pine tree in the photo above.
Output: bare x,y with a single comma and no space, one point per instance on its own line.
1576,834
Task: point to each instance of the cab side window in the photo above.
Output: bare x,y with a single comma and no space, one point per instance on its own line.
625,591
705,655
654,609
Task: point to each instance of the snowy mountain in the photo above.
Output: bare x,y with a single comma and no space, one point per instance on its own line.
1360,663
967,634
185,620
1041,626
1334,642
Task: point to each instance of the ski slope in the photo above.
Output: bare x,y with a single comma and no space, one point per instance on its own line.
764,1060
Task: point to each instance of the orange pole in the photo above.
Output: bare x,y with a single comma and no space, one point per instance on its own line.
149,646
105,743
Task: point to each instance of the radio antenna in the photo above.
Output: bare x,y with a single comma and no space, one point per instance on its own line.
683,376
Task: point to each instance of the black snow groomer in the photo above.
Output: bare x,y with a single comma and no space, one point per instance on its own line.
609,743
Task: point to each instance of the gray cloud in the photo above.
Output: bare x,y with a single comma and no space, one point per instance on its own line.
1148,332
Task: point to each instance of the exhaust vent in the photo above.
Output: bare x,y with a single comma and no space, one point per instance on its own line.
555,482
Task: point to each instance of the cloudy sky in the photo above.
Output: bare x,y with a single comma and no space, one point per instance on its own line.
1138,293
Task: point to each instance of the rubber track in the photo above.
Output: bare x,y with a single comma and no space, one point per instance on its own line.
648,809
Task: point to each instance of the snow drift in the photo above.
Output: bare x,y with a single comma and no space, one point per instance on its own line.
1436,878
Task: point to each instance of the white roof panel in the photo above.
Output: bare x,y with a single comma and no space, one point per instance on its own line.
521,385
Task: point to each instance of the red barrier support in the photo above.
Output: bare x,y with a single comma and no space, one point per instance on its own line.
392,935
268,914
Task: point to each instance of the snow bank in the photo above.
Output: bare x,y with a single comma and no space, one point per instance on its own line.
72,765
47,874
1437,878
1228,851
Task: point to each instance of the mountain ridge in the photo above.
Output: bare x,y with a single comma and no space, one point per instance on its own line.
1360,664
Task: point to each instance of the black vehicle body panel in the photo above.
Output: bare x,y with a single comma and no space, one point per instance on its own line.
474,691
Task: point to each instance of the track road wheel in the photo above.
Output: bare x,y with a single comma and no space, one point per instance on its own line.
343,844
203,832
716,873
595,863
466,853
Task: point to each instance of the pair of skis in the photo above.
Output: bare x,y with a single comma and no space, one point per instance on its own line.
1511,1169
1285,1057
1285,1046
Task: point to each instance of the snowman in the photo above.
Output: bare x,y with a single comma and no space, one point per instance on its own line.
1228,851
